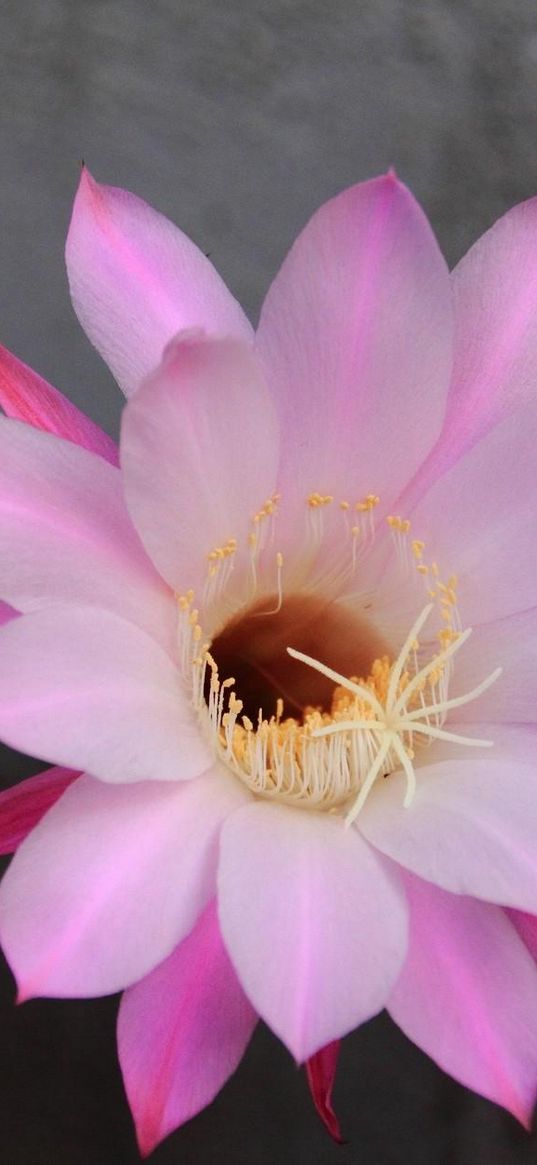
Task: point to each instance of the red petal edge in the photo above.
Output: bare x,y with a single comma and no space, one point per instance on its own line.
25,396
321,1072
23,805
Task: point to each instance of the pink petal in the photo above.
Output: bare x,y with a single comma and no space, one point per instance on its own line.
478,520
182,1032
199,452
136,280
27,397
81,687
355,336
467,996
110,881
66,536
23,805
314,922
495,368
472,824
321,1072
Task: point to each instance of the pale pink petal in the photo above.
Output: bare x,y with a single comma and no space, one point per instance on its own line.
83,688
136,280
110,881
66,535
355,336
182,1032
199,450
321,1073
478,520
495,352
472,824
7,613
467,996
314,922
25,396
23,805
509,643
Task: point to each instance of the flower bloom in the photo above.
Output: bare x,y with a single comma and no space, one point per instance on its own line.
290,647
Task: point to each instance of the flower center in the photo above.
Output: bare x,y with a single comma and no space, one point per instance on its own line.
303,701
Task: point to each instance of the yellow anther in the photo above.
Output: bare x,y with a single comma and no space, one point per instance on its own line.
279,559
247,724
197,633
355,531
423,570
418,547
405,526
344,505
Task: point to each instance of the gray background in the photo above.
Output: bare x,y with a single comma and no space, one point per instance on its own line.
237,119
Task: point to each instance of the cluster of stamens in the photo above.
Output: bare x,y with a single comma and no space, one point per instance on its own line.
331,758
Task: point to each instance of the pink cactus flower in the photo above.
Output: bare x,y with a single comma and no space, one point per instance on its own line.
290,646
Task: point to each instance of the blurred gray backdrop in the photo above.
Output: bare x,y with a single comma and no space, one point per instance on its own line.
237,119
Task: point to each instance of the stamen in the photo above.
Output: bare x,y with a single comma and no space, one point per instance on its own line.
395,724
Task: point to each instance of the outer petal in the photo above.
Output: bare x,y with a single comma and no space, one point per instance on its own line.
7,613
199,451
110,881
182,1032
82,687
526,925
495,367
467,996
66,536
315,924
23,805
27,397
355,336
471,827
136,280
321,1073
